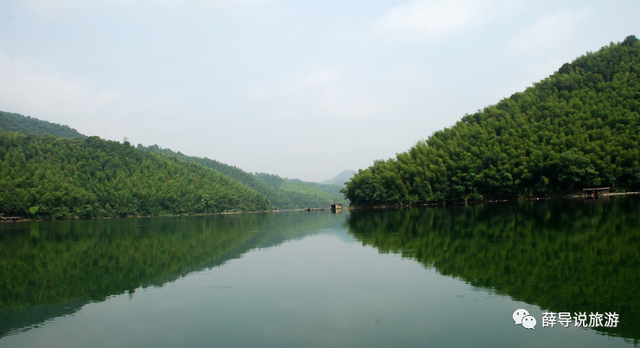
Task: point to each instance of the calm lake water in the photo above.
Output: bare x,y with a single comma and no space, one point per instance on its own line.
439,276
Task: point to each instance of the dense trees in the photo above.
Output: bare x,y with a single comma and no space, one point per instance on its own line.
302,194
333,189
282,193
50,177
233,189
580,127
28,125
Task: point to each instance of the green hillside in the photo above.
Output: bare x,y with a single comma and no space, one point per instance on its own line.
578,128
303,194
289,196
51,177
283,195
28,125
333,189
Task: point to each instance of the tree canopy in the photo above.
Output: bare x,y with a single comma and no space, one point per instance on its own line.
578,128
282,193
50,177
29,125
291,195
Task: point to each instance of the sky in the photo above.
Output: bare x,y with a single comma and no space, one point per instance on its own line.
301,89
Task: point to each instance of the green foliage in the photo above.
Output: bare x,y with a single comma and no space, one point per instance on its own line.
294,196
578,128
281,196
302,194
329,188
27,125
50,178
270,179
10,204
560,255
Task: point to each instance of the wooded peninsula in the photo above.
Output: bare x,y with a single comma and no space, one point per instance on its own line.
578,128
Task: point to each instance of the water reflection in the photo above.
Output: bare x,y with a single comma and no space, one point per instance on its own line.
53,269
564,256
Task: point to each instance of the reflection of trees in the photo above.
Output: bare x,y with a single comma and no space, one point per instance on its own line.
559,255
53,269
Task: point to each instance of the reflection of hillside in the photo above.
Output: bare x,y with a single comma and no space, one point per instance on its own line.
13,322
53,269
561,256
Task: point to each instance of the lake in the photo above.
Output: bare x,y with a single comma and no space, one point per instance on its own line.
437,276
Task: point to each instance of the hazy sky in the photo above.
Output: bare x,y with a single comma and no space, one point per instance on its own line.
302,89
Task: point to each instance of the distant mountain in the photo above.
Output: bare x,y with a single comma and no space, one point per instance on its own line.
340,179
27,125
303,194
330,188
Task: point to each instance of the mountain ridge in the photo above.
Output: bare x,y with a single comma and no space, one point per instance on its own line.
13,122
339,179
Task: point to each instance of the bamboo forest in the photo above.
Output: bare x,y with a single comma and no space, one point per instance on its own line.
578,128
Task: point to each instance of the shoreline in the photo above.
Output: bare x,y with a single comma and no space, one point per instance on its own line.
386,206
445,203
174,215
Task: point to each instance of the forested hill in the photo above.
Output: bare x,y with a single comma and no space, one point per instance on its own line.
28,125
306,193
281,195
578,128
51,177
288,196
333,189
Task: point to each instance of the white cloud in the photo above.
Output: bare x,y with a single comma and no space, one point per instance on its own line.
425,20
55,8
321,79
34,89
326,94
549,32
42,90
